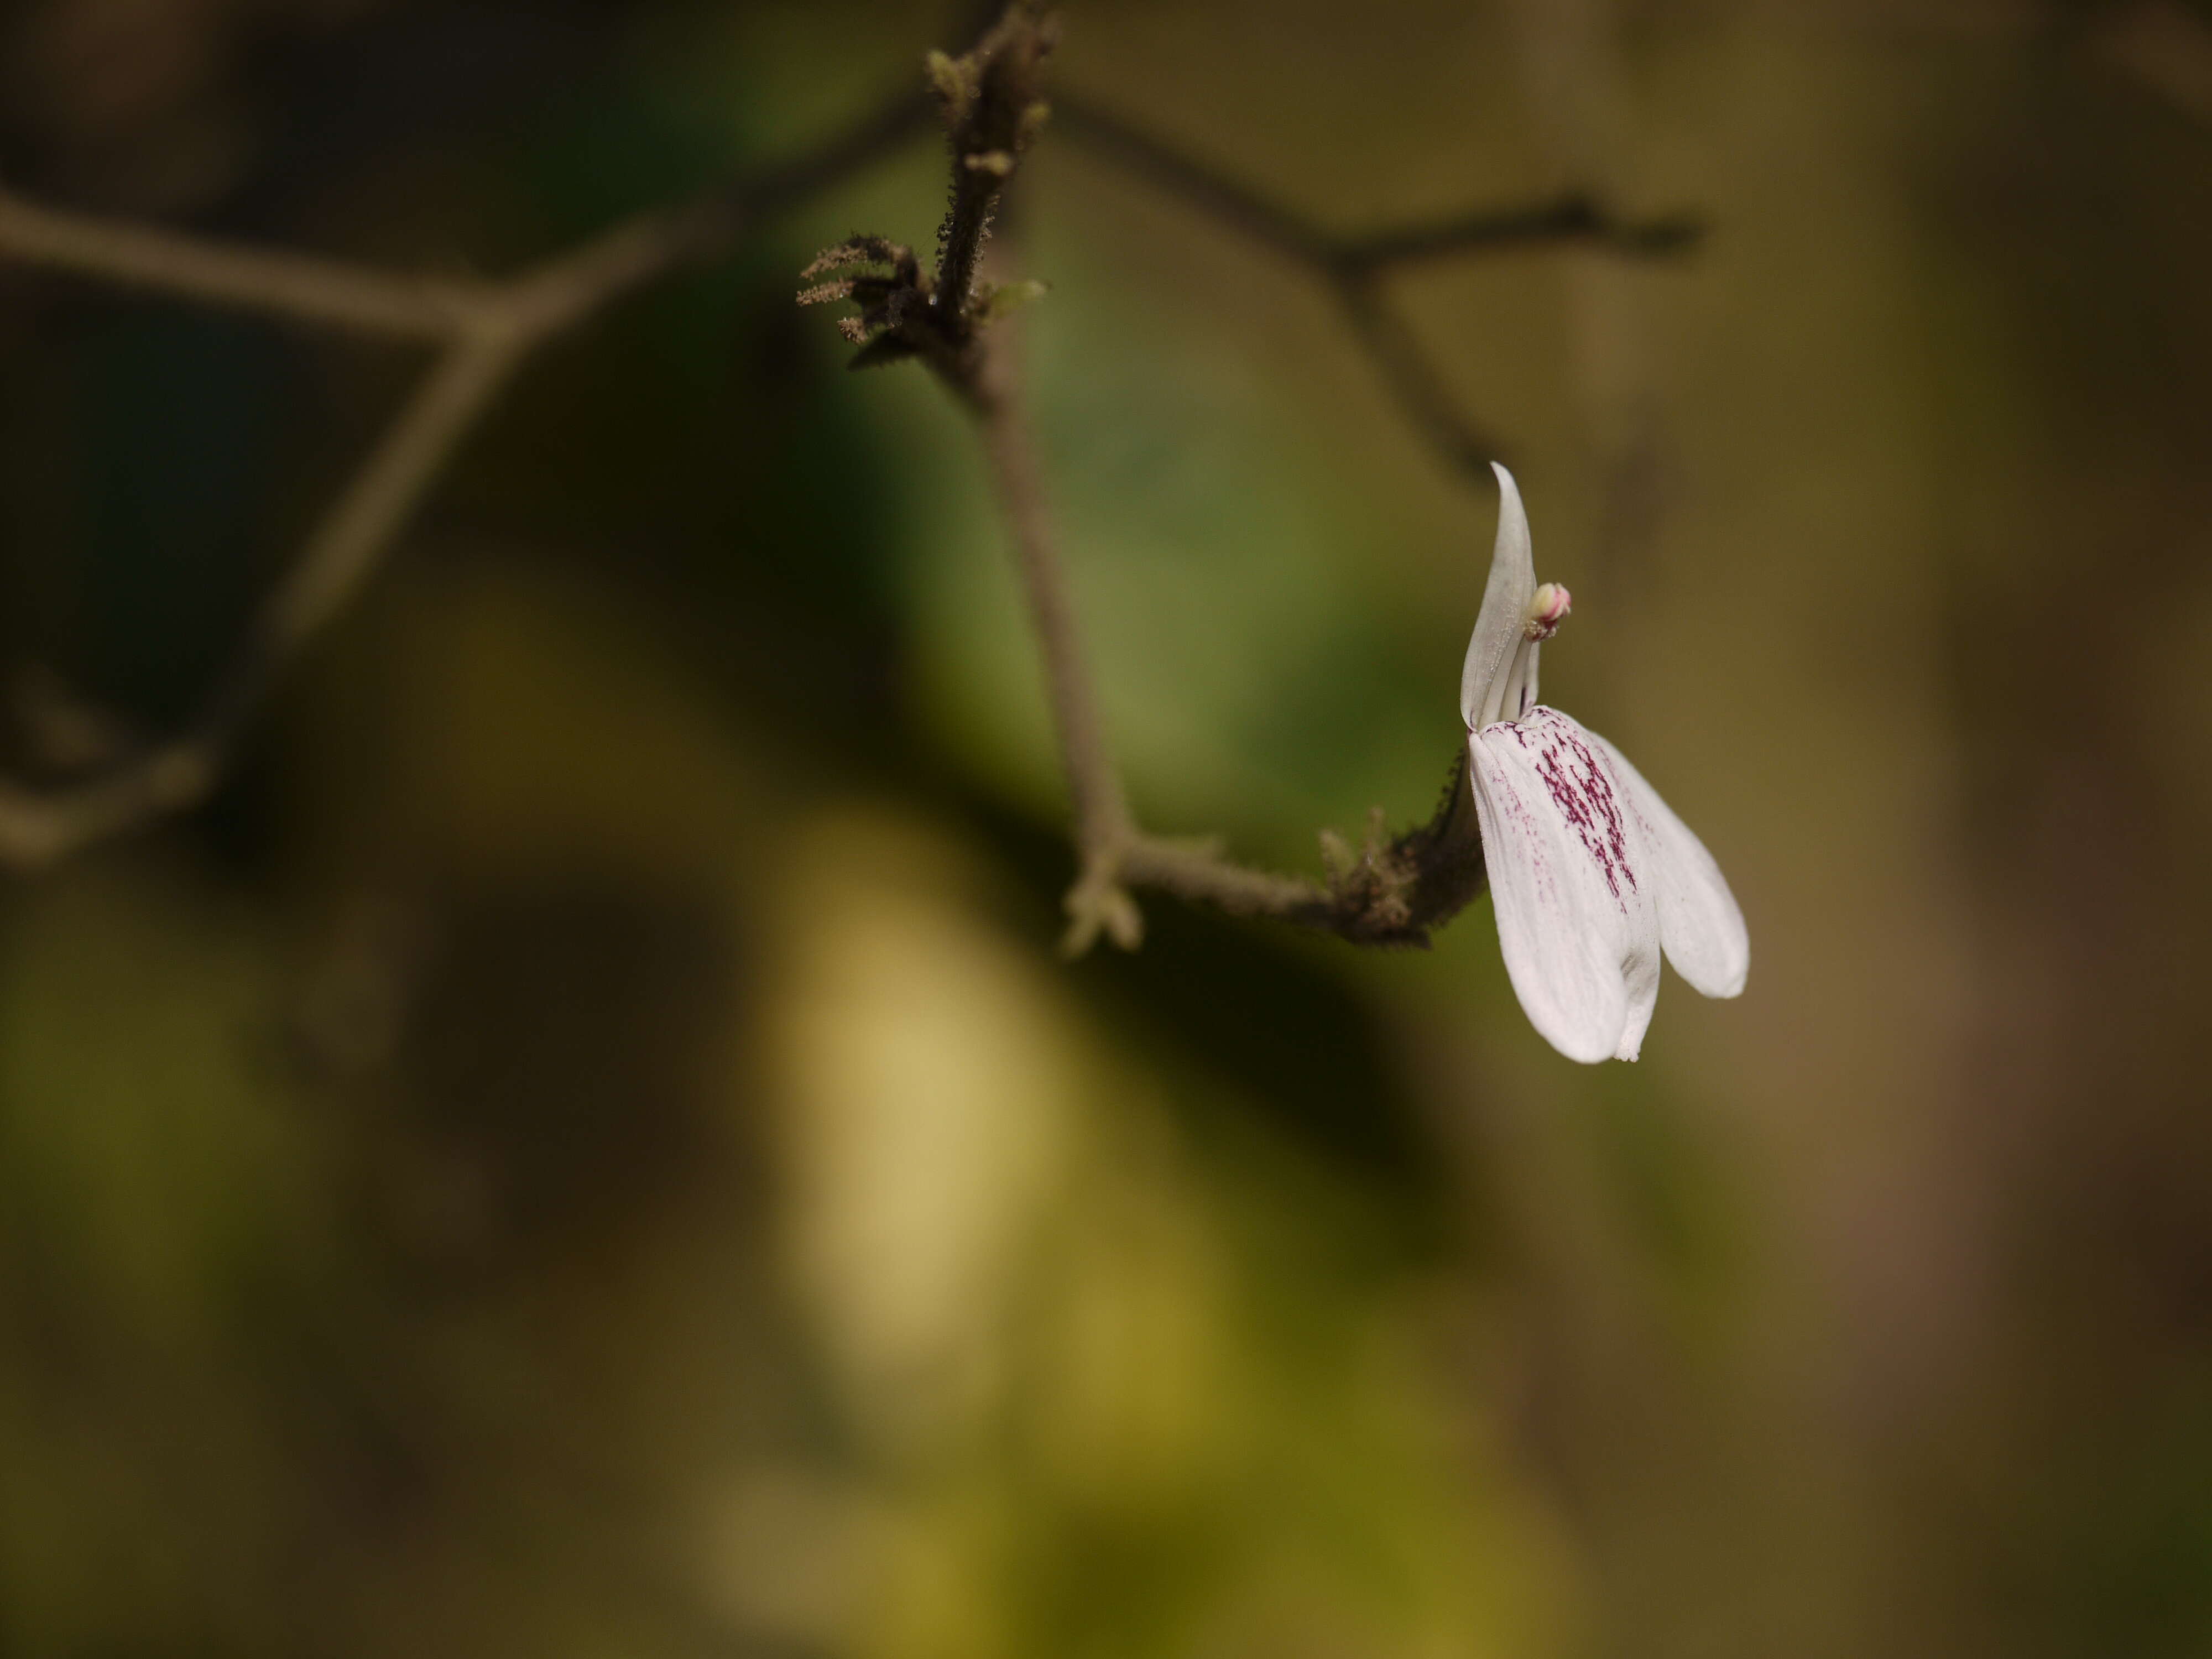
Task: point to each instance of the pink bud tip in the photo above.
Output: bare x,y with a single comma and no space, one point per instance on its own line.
1548,610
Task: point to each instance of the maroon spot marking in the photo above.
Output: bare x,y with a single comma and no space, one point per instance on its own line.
1581,788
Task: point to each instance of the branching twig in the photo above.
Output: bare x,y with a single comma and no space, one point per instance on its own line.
486,329
1389,891
1354,266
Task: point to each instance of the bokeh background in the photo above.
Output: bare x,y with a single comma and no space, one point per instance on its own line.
584,1146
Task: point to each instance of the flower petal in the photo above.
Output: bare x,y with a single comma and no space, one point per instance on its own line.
1501,627
1699,923
1575,919
1519,693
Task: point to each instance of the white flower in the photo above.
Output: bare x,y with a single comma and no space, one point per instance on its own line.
1593,875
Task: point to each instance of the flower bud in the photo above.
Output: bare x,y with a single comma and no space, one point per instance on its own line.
1547,610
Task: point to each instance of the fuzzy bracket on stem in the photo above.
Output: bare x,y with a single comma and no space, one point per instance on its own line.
992,100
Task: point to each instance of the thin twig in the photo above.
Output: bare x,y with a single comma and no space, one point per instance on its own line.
1114,853
298,285
488,328
1567,218
544,300
1169,170
1353,266
1101,811
1414,381
1195,870
1570,218
360,524
38,825
1389,891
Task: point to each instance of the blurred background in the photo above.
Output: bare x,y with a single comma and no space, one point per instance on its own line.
585,1146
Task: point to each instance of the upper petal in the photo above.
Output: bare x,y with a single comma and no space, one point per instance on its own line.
1576,917
1501,626
1699,923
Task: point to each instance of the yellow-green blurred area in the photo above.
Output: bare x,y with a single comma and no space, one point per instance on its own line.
585,1147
